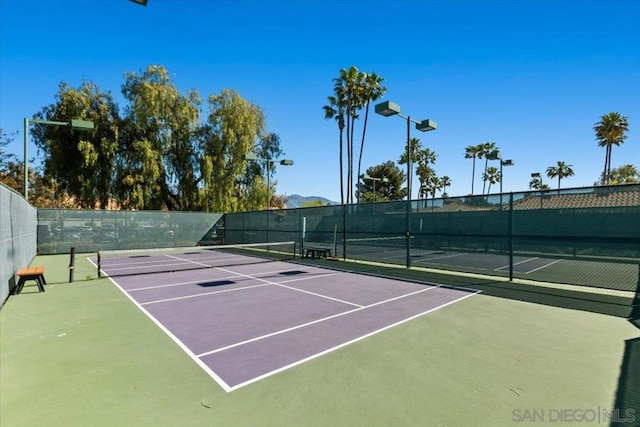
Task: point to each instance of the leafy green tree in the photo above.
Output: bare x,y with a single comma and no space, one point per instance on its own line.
561,171
235,127
473,152
389,189
10,170
158,162
5,140
610,130
81,163
312,203
627,174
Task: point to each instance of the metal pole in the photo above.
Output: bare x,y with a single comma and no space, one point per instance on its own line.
510,236
268,184
501,178
268,196
374,190
72,262
408,231
26,162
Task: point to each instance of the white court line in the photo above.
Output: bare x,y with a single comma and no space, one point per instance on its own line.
204,294
190,282
226,386
210,278
313,322
515,263
317,294
267,283
441,257
301,361
544,266
175,339
294,289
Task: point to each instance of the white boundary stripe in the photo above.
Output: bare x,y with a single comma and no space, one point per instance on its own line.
515,263
299,362
175,339
180,344
190,282
544,266
204,294
187,260
317,294
313,322
229,389
267,283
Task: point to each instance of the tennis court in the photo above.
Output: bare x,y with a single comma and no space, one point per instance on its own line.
248,318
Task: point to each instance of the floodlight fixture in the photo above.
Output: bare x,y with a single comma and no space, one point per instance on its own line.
75,124
140,2
387,109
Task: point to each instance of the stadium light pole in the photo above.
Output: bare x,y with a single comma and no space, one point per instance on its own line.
387,109
83,125
538,176
268,162
495,155
371,178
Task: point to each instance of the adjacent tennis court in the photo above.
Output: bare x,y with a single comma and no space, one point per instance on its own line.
249,318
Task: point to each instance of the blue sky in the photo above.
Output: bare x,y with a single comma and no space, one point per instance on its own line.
531,76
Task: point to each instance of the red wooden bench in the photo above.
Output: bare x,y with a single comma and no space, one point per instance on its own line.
30,273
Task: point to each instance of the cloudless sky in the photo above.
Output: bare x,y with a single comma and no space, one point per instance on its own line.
532,76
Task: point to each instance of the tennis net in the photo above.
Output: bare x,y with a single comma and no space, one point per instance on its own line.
147,261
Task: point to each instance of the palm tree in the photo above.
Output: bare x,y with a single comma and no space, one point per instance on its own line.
537,184
561,170
473,152
610,130
445,181
372,91
336,110
492,176
422,157
485,150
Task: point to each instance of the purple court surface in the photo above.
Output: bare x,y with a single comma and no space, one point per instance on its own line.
247,322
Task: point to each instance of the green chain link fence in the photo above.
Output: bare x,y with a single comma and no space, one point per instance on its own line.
582,236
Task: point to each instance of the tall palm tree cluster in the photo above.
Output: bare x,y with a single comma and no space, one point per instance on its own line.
491,174
425,159
353,91
610,130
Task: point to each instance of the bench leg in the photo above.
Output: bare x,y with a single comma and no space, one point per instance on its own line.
19,286
41,283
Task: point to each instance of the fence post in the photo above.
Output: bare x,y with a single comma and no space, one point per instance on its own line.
511,236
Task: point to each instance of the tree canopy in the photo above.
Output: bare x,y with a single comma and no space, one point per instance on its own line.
160,151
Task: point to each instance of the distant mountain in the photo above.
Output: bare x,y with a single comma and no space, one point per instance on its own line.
296,200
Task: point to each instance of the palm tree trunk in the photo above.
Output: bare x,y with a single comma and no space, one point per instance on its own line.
364,131
341,169
606,161
484,183
609,150
473,174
